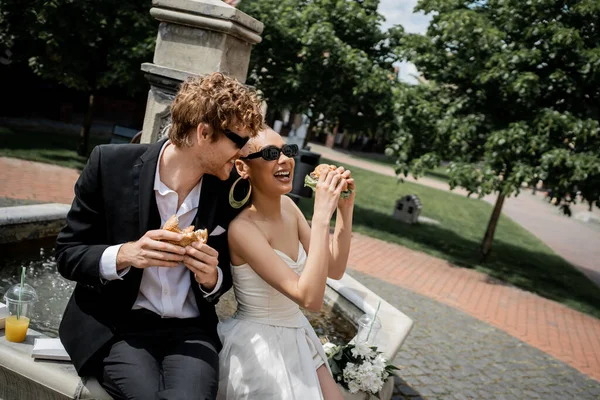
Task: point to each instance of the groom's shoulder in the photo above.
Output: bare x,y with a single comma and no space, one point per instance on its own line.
123,150
118,154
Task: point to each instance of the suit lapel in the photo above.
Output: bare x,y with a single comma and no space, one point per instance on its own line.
205,219
207,208
149,216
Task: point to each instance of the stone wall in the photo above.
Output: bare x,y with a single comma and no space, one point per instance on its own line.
31,222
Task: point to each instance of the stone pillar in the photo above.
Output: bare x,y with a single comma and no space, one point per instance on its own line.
195,37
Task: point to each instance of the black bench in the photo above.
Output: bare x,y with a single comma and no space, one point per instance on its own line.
121,135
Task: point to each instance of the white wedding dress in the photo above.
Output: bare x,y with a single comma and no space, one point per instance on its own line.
270,351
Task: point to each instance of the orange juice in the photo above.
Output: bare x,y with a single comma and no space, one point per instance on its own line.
16,329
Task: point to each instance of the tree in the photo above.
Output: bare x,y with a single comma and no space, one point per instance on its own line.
274,61
515,94
326,57
82,45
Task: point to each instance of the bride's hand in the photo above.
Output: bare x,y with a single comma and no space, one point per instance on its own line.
347,203
327,195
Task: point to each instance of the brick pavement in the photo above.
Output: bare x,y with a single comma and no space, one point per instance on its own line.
26,180
565,334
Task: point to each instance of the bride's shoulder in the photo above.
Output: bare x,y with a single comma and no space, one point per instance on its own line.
292,209
287,201
289,205
242,220
245,224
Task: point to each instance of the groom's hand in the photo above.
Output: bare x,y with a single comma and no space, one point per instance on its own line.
202,260
151,250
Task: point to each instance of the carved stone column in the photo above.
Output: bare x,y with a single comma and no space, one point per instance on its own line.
195,37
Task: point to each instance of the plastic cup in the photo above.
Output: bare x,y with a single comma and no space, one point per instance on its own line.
366,332
20,304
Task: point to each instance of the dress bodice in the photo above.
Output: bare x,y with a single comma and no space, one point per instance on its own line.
260,302
270,351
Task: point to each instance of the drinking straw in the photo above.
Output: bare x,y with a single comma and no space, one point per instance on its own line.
373,321
21,291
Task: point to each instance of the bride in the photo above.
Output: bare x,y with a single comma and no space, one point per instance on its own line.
270,351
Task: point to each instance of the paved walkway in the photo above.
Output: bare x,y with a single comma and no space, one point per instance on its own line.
451,355
565,334
574,240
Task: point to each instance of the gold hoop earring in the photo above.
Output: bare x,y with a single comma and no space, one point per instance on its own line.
235,203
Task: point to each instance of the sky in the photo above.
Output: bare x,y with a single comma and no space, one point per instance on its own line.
401,12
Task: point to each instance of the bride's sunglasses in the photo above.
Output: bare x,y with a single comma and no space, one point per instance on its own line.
271,153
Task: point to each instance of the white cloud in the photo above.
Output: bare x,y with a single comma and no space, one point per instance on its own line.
401,12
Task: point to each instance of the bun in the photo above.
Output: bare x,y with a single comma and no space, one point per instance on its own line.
321,168
189,234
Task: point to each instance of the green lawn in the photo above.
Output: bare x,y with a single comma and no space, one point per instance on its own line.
518,257
43,147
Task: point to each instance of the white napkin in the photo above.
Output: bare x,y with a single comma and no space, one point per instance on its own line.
49,349
3,315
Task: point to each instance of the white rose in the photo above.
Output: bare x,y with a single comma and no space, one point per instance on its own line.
353,387
349,372
379,362
362,350
329,348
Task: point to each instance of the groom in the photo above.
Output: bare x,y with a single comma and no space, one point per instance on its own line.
142,317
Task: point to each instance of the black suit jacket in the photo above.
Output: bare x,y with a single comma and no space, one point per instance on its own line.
115,203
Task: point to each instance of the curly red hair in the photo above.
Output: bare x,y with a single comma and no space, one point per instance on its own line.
217,100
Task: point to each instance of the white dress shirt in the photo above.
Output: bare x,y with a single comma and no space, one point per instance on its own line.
164,291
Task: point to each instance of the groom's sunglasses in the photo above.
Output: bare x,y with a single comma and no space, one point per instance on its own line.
271,153
238,140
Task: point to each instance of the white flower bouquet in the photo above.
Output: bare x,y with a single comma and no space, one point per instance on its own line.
358,367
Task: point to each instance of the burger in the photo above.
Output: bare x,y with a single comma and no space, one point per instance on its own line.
312,179
189,234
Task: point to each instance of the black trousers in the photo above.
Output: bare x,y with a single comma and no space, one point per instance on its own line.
160,358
